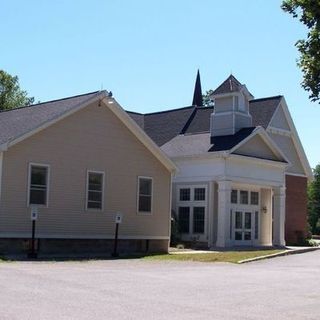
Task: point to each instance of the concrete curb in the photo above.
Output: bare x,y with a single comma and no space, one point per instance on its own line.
280,254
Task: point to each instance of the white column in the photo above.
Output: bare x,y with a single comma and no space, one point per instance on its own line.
279,216
224,193
210,222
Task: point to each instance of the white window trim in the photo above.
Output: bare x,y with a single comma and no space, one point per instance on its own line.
144,213
102,191
34,164
249,190
193,203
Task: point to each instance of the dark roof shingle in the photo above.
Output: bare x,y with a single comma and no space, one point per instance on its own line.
263,109
224,143
231,84
163,126
17,122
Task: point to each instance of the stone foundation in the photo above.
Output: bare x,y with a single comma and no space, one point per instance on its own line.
82,246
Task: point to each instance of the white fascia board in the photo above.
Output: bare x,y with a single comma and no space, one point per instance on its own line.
250,181
259,161
264,135
115,107
296,140
204,156
47,124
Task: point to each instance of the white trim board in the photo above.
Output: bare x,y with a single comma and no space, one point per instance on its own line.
295,138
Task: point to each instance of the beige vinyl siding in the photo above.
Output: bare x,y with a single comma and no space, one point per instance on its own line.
90,139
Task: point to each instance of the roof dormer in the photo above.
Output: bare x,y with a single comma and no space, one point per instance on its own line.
231,108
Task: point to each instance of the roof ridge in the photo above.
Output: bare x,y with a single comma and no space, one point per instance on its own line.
170,110
51,101
266,98
139,113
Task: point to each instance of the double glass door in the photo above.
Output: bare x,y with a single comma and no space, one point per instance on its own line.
243,227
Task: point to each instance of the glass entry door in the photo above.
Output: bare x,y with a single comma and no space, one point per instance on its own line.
243,227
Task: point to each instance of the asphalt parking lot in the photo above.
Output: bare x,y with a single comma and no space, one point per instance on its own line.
280,288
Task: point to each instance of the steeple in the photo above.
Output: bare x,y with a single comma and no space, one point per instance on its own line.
197,94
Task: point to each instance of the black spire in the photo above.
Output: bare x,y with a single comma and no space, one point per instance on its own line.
197,94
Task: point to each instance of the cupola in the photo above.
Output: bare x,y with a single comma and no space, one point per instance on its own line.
231,108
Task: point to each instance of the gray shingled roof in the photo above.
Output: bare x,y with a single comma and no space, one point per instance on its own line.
231,84
187,145
164,126
160,126
137,117
263,109
196,144
17,122
200,121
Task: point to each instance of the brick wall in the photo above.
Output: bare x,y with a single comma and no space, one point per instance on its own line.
296,209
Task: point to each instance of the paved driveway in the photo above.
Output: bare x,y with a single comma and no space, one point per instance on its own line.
281,288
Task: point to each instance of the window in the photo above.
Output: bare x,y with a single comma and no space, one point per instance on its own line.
95,190
198,219
184,219
234,196
144,194
254,198
185,194
38,187
191,209
244,197
199,194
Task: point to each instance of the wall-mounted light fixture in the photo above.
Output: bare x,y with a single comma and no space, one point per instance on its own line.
264,209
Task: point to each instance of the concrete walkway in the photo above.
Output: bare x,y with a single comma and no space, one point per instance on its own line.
286,251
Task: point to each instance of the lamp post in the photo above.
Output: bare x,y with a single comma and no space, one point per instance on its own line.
34,216
118,220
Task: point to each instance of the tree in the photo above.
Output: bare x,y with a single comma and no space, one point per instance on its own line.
308,12
206,101
314,202
11,95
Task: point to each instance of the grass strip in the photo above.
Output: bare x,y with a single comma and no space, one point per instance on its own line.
227,256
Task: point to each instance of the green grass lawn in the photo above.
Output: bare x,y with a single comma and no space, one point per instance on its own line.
227,256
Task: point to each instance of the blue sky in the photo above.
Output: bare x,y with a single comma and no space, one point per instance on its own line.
147,52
